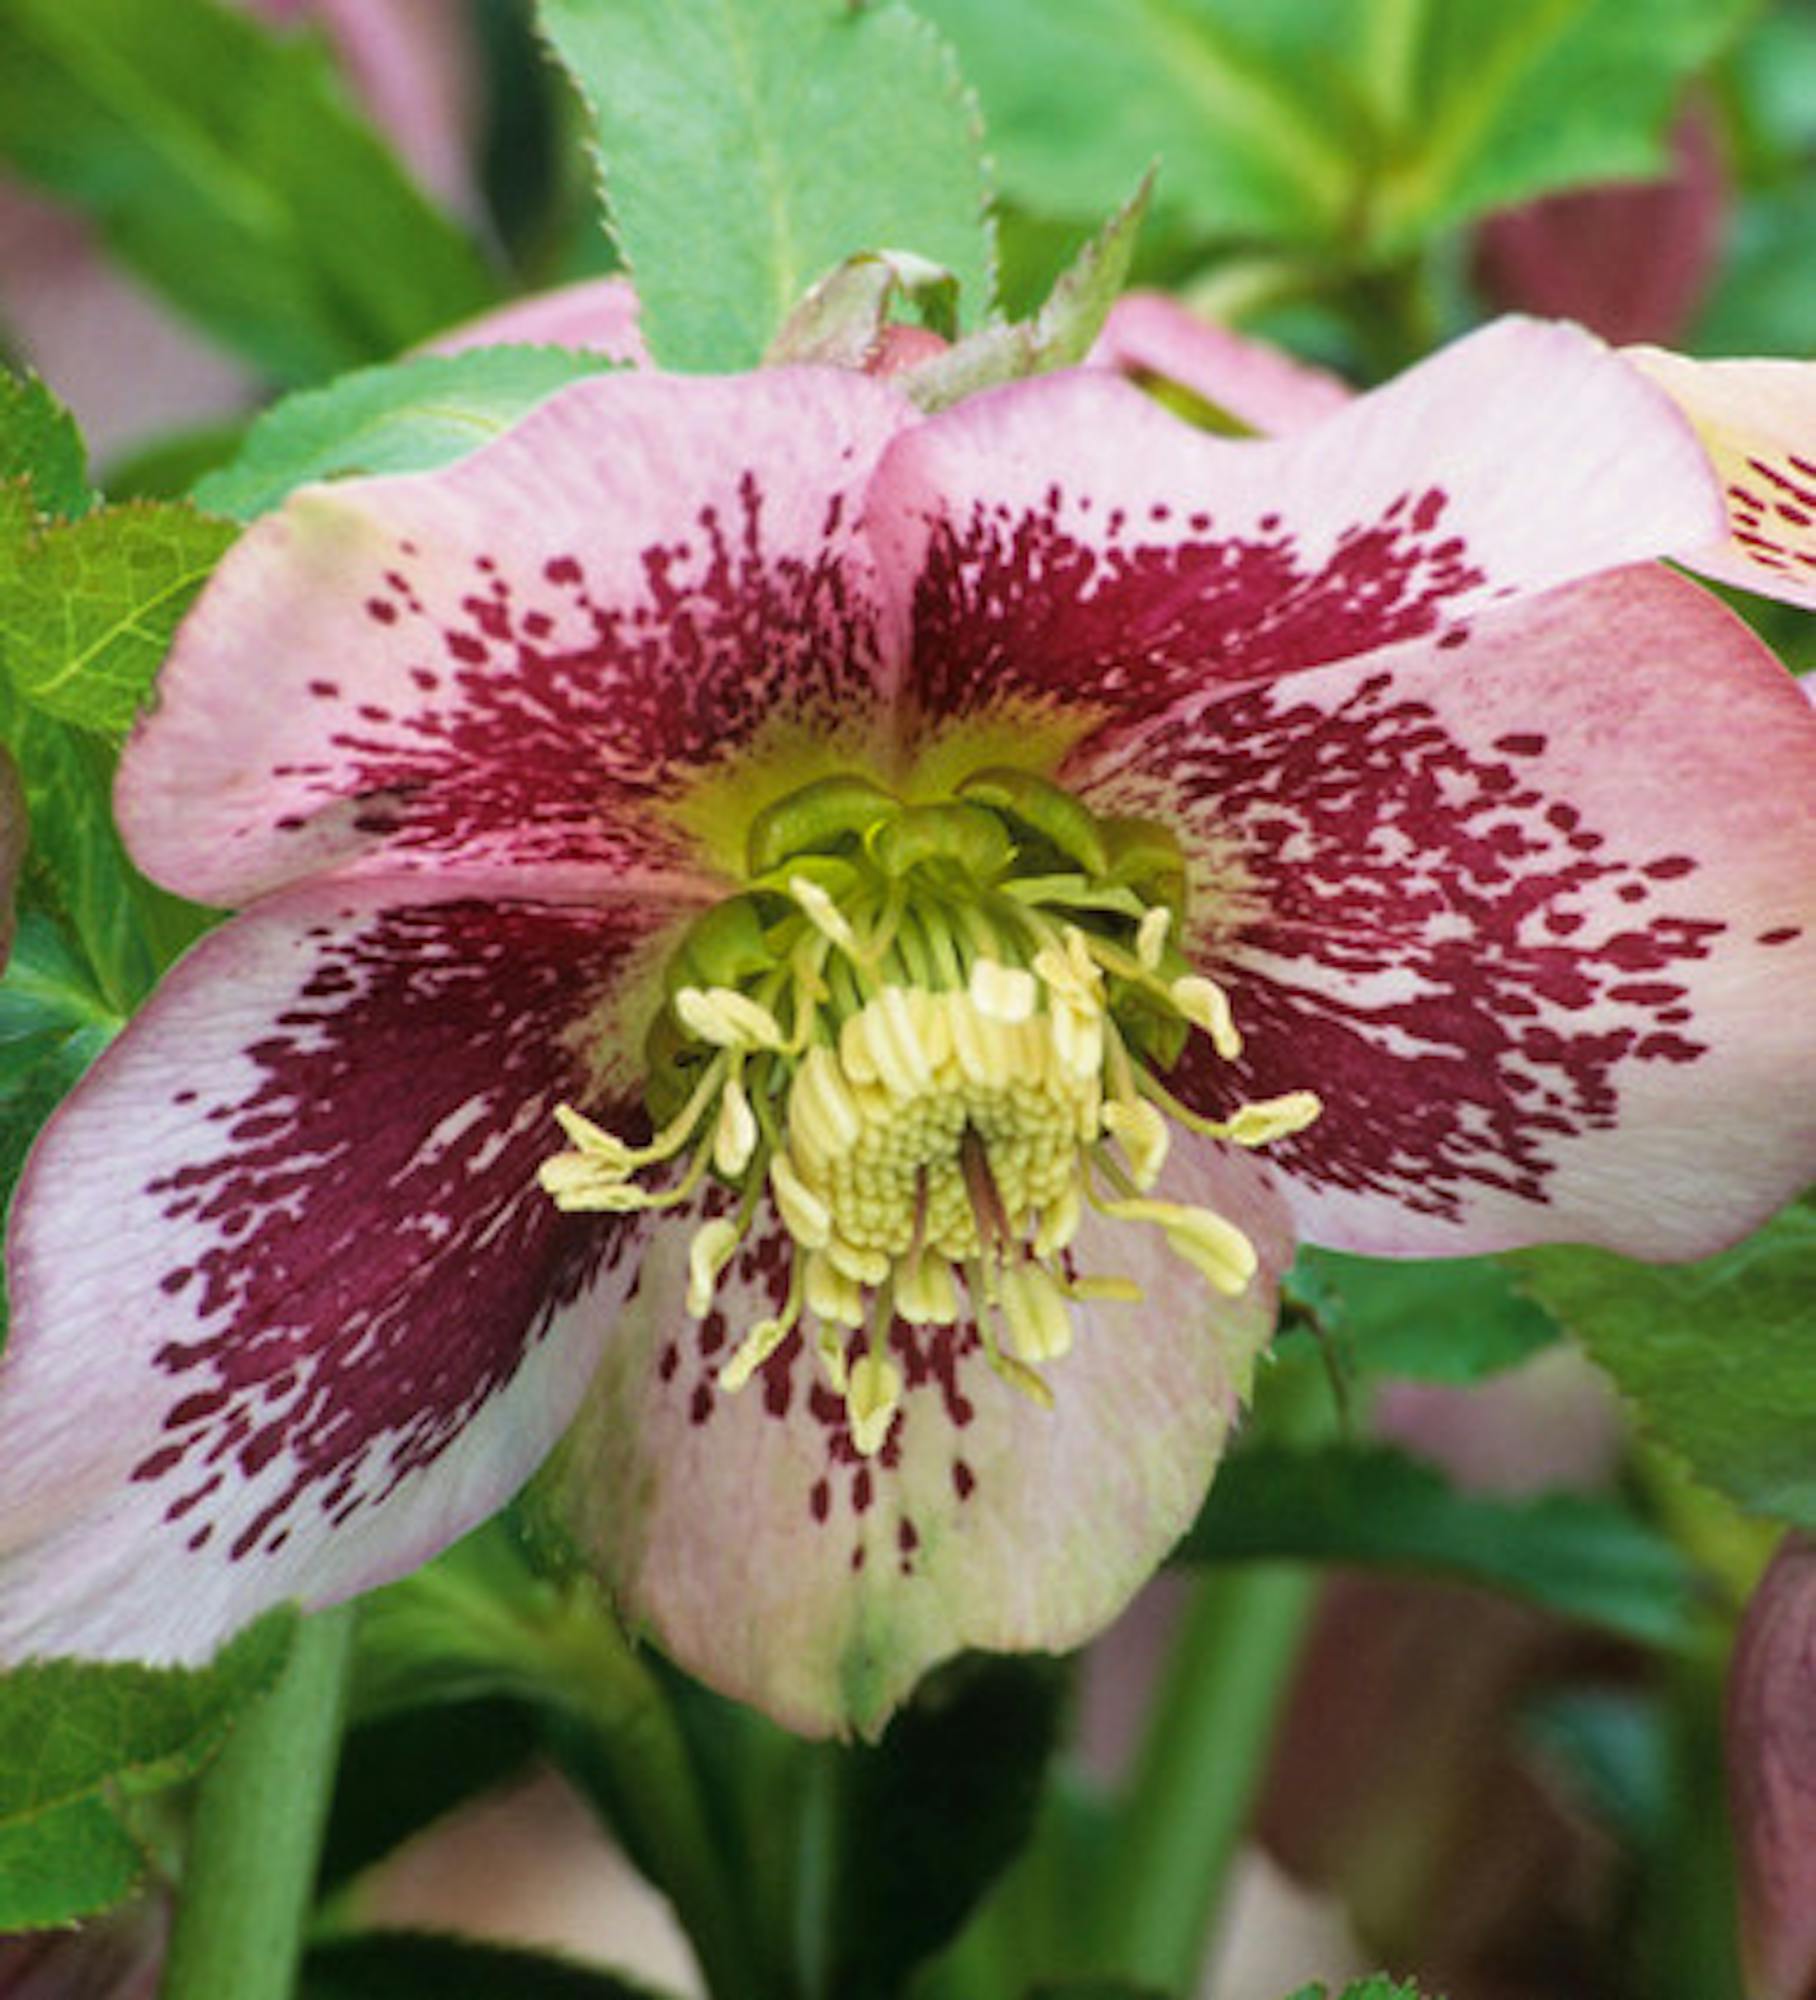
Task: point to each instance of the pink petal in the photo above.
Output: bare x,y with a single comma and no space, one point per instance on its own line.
1534,915
1771,1730
526,659
1082,553
290,1310
773,1562
1757,421
598,313
1149,335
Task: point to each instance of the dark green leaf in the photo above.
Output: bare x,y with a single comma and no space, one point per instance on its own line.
406,1966
228,165
68,1727
1094,1989
39,443
1451,1321
1380,1987
74,1862
406,417
934,1813
88,607
751,146
1587,1559
1719,1357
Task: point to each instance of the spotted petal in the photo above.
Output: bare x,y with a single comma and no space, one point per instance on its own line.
539,656
1535,916
1145,560
290,1311
783,1569
1757,421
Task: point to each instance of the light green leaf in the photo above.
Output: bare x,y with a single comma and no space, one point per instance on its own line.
88,607
750,146
1718,1357
68,1727
406,417
228,165
40,444
1380,1987
75,1862
1586,1559
1456,1320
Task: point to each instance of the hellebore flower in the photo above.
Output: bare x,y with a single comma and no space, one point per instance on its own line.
811,957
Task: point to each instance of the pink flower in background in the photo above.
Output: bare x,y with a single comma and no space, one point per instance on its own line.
819,955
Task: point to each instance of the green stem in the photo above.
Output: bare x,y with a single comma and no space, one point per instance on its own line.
249,1873
1200,1767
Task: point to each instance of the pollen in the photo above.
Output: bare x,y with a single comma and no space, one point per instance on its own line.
930,1039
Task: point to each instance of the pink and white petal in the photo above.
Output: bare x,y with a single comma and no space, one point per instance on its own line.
773,1562
1150,337
290,1310
535,657
1535,916
1757,421
600,314
1080,553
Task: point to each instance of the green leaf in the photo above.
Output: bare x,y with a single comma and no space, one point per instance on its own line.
1586,1559
1455,1320
750,146
228,165
1505,103
1058,335
39,443
75,1862
406,417
77,871
69,1727
1358,131
88,607
399,1965
1380,1987
1718,1357
1094,1989
932,1815
1249,106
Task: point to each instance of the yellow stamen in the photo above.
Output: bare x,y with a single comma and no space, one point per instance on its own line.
714,1245
873,1393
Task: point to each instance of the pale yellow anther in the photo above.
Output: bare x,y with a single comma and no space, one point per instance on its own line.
831,1349
1212,1245
1151,937
735,1132
925,1293
1105,1288
1141,1132
1271,1118
1078,1039
823,913
1021,1377
1034,1310
713,1247
727,1018
586,1137
805,1216
1002,992
1070,970
1059,1221
896,1046
858,1262
832,1295
753,1350
873,1394
1205,1004
820,1108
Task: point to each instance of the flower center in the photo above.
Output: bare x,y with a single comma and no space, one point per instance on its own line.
933,1033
